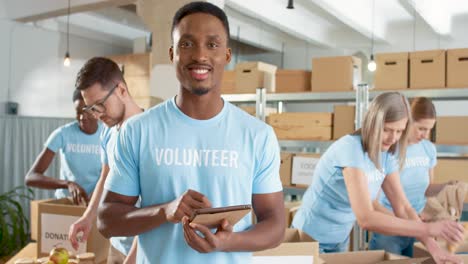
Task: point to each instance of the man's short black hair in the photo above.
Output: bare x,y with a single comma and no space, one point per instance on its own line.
200,7
77,95
99,70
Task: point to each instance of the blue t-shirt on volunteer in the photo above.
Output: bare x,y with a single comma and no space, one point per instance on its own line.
420,159
325,213
162,153
108,139
79,156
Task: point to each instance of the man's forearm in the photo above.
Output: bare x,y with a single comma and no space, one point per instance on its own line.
265,234
39,180
117,219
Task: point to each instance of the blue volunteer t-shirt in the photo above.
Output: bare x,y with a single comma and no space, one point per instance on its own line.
79,156
325,213
162,153
414,177
108,140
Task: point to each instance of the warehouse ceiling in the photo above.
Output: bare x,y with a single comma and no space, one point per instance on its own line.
268,23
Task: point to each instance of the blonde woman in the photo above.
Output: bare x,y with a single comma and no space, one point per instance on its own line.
416,177
350,174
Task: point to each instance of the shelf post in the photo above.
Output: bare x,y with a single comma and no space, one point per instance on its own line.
362,103
260,104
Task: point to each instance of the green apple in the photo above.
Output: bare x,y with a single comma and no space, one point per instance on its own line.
59,256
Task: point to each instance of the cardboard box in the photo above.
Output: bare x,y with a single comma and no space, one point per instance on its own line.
457,67
343,120
137,69
332,74
253,75
302,126
451,169
451,130
448,169
427,69
286,168
54,220
293,81
303,167
147,101
290,209
29,251
359,257
295,243
253,111
392,71
420,251
34,209
228,84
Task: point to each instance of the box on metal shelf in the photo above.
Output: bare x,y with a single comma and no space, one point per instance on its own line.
137,70
457,67
293,81
138,64
254,74
451,169
427,69
286,168
54,218
302,126
228,84
303,167
392,71
138,86
360,257
451,130
295,243
332,74
253,111
147,101
343,120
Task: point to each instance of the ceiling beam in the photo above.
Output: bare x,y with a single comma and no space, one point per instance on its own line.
30,11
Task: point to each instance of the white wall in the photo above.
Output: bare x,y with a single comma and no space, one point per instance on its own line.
32,70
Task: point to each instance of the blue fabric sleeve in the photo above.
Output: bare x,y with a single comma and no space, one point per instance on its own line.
104,140
347,152
266,178
123,177
55,140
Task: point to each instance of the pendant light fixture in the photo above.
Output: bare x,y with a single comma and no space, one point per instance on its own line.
66,61
290,4
372,66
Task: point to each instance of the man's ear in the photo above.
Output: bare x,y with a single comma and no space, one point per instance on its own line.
171,53
228,55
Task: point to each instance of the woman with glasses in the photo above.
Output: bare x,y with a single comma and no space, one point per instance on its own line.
78,143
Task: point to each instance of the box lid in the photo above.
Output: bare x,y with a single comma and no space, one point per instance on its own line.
458,52
255,65
426,54
395,56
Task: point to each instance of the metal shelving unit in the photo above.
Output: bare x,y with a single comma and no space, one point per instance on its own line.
434,94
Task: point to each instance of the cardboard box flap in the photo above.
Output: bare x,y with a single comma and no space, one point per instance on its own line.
408,261
359,257
427,56
460,55
391,59
295,235
290,249
249,66
292,72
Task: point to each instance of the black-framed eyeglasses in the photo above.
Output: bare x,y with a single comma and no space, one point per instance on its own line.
99,107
